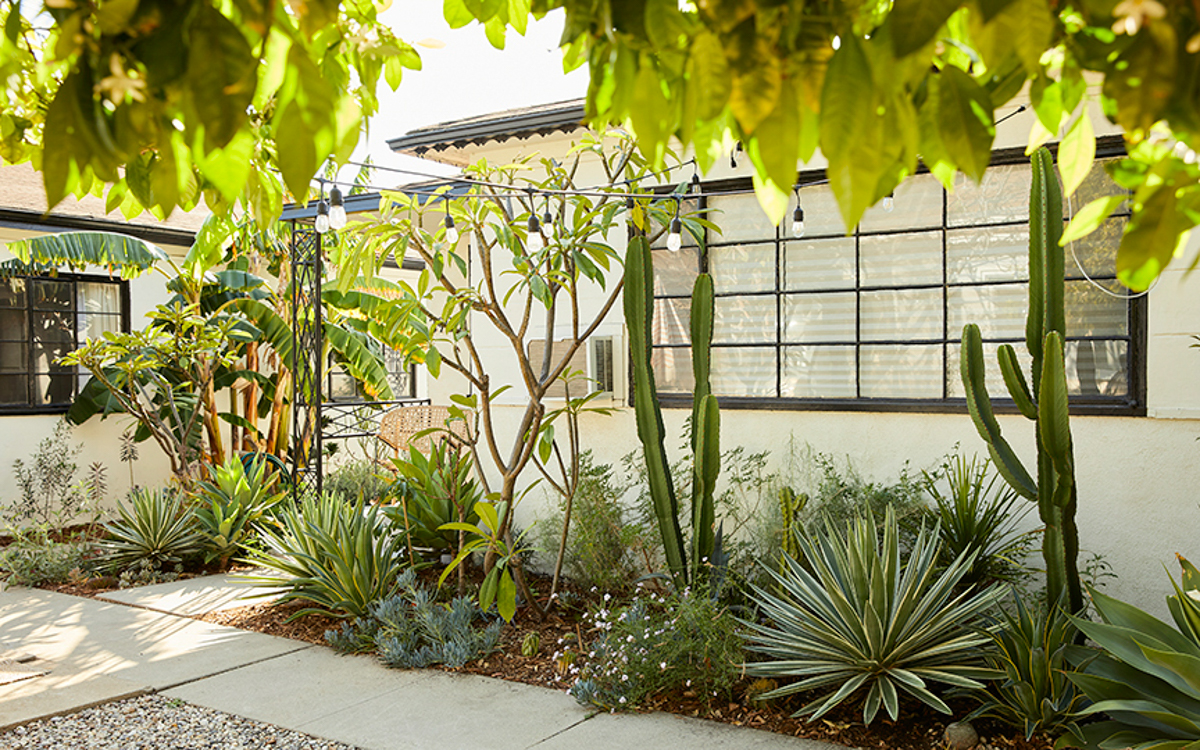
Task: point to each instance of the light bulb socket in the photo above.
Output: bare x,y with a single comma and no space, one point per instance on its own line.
798,222
335,197
533,225
322,222
451,230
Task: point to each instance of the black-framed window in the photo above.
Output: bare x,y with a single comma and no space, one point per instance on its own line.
341,386
44,318
874,320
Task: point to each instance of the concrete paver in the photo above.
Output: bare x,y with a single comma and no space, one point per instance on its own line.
192,597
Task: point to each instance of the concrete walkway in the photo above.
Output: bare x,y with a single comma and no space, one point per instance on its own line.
99,651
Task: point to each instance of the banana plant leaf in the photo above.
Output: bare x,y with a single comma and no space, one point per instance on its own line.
78,250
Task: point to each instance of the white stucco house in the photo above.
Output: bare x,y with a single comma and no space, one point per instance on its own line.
850,342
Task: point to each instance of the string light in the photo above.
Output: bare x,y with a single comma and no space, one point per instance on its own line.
798,217
889,202
322,223
675,236
337,211
534,242
451,230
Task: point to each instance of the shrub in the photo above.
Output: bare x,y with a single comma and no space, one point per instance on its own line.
33,558
438,489
51,494
158,530
357,480
231,505
980,514
411,630
1030,655
659,643
866,619
606,548
340,556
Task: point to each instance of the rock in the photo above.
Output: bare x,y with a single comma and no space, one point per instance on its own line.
961,736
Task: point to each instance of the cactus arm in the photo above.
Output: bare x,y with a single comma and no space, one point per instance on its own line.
703,311
1014,380
639,306
708,464
1046,285
980,407
1053,415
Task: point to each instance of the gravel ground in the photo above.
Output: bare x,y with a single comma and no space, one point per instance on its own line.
152,722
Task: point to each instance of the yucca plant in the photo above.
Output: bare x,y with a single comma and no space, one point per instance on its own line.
231,504
857,617
1147,678
979,514
157,530
1032,648
340,556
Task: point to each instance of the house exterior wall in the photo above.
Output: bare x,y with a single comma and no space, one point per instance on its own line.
1137,475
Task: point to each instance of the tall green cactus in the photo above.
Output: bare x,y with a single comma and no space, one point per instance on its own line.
1046,405
706,420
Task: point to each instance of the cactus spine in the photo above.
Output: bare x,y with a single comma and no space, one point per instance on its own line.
1046,404
706,423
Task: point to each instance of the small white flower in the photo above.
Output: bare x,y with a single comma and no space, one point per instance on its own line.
1132,15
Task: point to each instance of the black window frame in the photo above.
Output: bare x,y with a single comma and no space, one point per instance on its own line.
30,408
1132,404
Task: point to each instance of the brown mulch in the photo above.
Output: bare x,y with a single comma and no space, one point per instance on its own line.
919,727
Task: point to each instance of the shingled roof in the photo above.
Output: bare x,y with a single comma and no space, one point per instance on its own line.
496,126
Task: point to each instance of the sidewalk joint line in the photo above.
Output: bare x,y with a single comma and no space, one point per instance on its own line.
232,669
563,730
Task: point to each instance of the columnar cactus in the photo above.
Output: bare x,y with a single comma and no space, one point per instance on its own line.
1046,405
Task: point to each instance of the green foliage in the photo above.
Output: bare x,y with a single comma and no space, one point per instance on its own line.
682,640
156,531
411,630
842,495
499,585
441,489
980,517
607,548
81,250
33,558
1147,676
51,494
705,445
340,556
860,618
1032,649
231,506
1046,405
357,480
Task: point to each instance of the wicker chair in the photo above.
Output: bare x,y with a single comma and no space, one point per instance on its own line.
398,427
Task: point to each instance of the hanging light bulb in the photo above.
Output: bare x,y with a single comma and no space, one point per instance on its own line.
889,202
534,242
451,230
798,222
322,224
337,211
675,236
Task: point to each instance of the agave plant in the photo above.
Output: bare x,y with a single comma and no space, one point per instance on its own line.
1147,678
980,514
1033,648
232,503
340,556
157,530
856,617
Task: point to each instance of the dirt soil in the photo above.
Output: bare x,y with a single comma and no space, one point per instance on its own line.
919,727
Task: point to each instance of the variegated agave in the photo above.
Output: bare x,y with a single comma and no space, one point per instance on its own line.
857,617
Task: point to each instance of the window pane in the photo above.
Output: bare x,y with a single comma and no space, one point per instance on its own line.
819,264
1097,184
674,273
13,325
13,356
51,295
907,371
53,389
1097,253
342,387
1097,368
54,327
901,314
742,268
744,320
917,205
46,356
671,321
1003,196
14,389
94,297
999,311
12,293
992,254
822,217
991,367
901,259
740,218
93,326
743,371
1091,312
819,317
673,370
686,207
818,372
